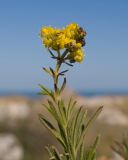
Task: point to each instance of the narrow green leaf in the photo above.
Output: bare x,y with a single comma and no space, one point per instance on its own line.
47,123
49,151
54,111
56,153
64,71
42,93
90,121
69,64
82,152
63,135
52,129
71,107
91,154
51,52
47,91
95,115
61,112
62,105
75,124
63,85
52,71
47,70
80,127
121,148
53,96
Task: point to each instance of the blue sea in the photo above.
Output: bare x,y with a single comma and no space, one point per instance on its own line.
88,93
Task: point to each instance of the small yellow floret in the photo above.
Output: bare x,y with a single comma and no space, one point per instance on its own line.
77,56
46,31
71,30
47,42
78,45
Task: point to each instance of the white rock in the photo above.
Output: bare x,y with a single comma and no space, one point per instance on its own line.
106,101
117,157
113,117
13,112
10,149
94,102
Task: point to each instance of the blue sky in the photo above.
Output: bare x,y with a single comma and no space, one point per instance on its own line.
22,55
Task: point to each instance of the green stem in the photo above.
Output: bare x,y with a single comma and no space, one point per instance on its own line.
56,71
70,149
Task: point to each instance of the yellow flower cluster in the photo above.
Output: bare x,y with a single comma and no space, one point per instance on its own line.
70,38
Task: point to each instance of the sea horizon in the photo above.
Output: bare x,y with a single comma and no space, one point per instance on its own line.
87,93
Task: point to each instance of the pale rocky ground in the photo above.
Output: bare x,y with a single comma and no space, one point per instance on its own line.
21,133
112,113
10,148
115,157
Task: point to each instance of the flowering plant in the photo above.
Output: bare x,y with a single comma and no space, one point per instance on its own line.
121,148
65,47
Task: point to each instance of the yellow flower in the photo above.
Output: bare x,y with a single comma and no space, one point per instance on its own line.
72,26
71,30
78,45
71,38
77,55
46,31
47,42
59,40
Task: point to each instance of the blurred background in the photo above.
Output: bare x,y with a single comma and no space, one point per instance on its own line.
102,78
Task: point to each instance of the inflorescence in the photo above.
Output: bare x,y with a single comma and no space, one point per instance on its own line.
70,38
